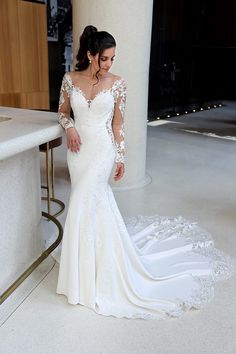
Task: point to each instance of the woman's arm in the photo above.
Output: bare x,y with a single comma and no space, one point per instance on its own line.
64,104
73,138
118,127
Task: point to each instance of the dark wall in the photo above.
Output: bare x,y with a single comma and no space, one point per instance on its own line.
59,46
193,52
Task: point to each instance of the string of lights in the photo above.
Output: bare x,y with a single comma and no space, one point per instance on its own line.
182,113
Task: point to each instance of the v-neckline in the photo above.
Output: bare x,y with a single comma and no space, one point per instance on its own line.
89,101
77,88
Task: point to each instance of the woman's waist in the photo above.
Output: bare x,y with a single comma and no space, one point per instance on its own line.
92,130
92,125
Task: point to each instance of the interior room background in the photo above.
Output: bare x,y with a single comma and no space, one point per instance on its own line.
193,52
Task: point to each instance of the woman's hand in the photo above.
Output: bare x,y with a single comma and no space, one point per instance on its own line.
73,139
120,170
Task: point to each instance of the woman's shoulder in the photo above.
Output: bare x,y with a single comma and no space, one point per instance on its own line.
72,78
118,82
70,75
117,77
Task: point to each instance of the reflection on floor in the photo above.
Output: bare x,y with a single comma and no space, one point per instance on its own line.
193,175
211,135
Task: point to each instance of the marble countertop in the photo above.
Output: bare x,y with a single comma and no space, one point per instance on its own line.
26,129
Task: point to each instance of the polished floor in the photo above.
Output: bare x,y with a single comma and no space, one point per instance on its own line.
192,163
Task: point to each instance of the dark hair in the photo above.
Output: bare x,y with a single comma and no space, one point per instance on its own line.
96,42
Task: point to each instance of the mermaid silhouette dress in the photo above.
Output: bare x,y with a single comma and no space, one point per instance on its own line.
137,267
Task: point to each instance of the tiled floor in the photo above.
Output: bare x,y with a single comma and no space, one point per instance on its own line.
193,175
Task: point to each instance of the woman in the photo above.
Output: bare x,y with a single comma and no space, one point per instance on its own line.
149,267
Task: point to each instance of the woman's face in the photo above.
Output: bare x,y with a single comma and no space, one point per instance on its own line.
106,60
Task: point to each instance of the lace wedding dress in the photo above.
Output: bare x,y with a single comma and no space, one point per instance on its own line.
137,267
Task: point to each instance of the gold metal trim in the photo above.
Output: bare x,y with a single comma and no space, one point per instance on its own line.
50,185
36,263
55,201
48,178
52,173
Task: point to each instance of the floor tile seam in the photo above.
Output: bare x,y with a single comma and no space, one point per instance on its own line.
28,295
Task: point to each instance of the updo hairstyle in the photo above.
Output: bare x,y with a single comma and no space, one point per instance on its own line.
96,42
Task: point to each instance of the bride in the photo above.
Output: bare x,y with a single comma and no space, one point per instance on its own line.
138,267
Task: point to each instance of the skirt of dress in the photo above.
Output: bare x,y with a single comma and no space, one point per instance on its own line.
149,267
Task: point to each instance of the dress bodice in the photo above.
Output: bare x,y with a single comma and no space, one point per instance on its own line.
98,111
106,109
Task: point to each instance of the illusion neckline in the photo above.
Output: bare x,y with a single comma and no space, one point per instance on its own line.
89,101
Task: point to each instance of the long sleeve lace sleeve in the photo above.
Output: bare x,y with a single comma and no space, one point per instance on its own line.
64,104
118,119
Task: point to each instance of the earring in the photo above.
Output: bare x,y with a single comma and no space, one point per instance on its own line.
90,61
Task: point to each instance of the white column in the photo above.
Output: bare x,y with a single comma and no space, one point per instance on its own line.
130,23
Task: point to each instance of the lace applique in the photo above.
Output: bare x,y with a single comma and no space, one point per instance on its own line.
64,119
221,264
82,93
119,92
120,150
108,310
161,228
109,129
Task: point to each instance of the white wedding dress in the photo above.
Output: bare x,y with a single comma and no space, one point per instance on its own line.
138,267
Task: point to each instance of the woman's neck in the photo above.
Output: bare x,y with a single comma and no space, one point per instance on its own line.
90,74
